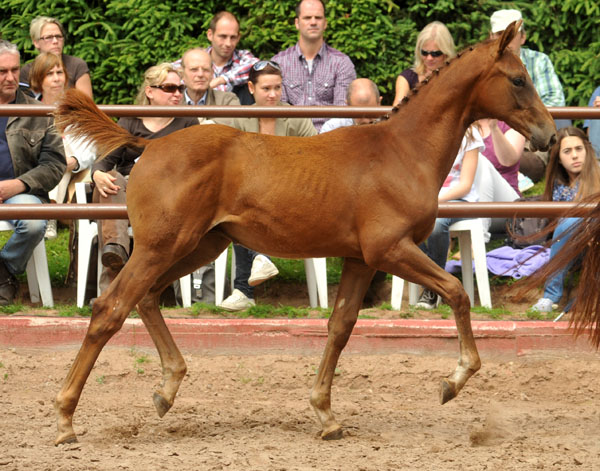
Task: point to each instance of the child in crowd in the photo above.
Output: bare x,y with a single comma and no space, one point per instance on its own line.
458,186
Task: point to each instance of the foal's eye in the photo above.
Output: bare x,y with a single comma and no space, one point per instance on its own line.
518,82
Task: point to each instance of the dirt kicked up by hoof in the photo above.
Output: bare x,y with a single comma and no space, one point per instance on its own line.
161,404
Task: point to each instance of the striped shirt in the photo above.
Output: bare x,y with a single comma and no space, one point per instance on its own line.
323,84
546,82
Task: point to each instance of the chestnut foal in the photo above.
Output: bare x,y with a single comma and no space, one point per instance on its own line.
366,193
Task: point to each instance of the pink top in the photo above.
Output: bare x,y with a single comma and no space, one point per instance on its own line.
510,174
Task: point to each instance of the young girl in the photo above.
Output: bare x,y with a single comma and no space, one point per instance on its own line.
572,174
458,186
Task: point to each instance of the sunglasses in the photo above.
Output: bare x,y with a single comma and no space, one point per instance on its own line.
51,37
260,65
170,88
425,53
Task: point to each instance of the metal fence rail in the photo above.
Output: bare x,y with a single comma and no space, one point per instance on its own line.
114,211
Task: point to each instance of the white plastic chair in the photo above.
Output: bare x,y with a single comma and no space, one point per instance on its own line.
472,235
87,232
38,276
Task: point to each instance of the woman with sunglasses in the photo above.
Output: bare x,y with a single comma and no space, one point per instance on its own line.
161,87
252,268
434,47
48,35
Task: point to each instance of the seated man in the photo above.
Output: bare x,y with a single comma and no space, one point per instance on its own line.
361,92
32,162
544,78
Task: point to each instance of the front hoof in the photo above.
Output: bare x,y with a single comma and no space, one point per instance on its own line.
332,433
447,391
161,404
65,439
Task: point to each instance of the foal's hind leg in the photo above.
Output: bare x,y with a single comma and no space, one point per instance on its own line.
108,314
414,265
355,280
173,365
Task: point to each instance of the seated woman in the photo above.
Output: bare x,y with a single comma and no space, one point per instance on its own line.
48,80
252,268
161,87
458,186
48,35
503,148
434,47
572,175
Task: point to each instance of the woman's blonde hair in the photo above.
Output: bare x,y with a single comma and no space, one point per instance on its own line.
43,64
37,24
155,75
438,32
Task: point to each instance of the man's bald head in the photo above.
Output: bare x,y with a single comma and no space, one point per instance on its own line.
363,92
197,72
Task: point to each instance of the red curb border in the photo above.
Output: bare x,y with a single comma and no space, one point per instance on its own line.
302,336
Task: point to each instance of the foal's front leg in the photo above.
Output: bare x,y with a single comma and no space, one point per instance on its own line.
355,280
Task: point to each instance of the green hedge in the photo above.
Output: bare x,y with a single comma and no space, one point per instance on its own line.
120,39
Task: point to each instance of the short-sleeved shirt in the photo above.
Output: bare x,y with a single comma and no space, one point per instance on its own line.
453,178
411,77
510,174
544,78
75,67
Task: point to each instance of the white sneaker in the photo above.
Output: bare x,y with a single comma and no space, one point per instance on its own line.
237,301
544,305
51,230
262,270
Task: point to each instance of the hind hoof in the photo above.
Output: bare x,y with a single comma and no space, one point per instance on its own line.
65,439
161,404
447,392
333,433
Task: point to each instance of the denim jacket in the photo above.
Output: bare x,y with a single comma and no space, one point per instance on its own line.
36,149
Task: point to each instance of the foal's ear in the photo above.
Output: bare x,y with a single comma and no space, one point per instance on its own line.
508,35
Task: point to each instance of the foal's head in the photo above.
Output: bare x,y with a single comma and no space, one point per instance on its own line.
505,91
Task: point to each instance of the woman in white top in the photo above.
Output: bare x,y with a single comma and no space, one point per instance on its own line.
458,186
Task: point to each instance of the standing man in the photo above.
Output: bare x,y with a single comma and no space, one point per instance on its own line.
32,162
231,66
544,78
314,73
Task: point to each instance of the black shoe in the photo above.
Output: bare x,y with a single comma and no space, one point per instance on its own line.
114,257
9,286
428,300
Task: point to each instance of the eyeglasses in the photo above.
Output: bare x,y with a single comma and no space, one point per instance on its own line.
170,88
52,37
425,53
260,65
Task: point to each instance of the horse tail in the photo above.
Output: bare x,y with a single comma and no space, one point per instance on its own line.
584,244
81,118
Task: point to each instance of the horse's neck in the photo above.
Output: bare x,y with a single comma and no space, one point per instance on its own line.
436,118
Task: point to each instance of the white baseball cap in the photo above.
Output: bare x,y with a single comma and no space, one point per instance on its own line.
502,18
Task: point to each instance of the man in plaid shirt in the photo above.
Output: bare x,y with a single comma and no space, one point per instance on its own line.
544,78
231,66
313,72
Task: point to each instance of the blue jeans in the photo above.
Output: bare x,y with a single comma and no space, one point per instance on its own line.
28,233
243,266
437,244
553,289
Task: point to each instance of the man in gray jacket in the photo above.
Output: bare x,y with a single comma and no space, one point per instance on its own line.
32,162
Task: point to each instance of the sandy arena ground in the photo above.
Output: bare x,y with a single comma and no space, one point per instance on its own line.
252,413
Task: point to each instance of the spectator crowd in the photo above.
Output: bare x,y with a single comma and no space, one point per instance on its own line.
37,165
